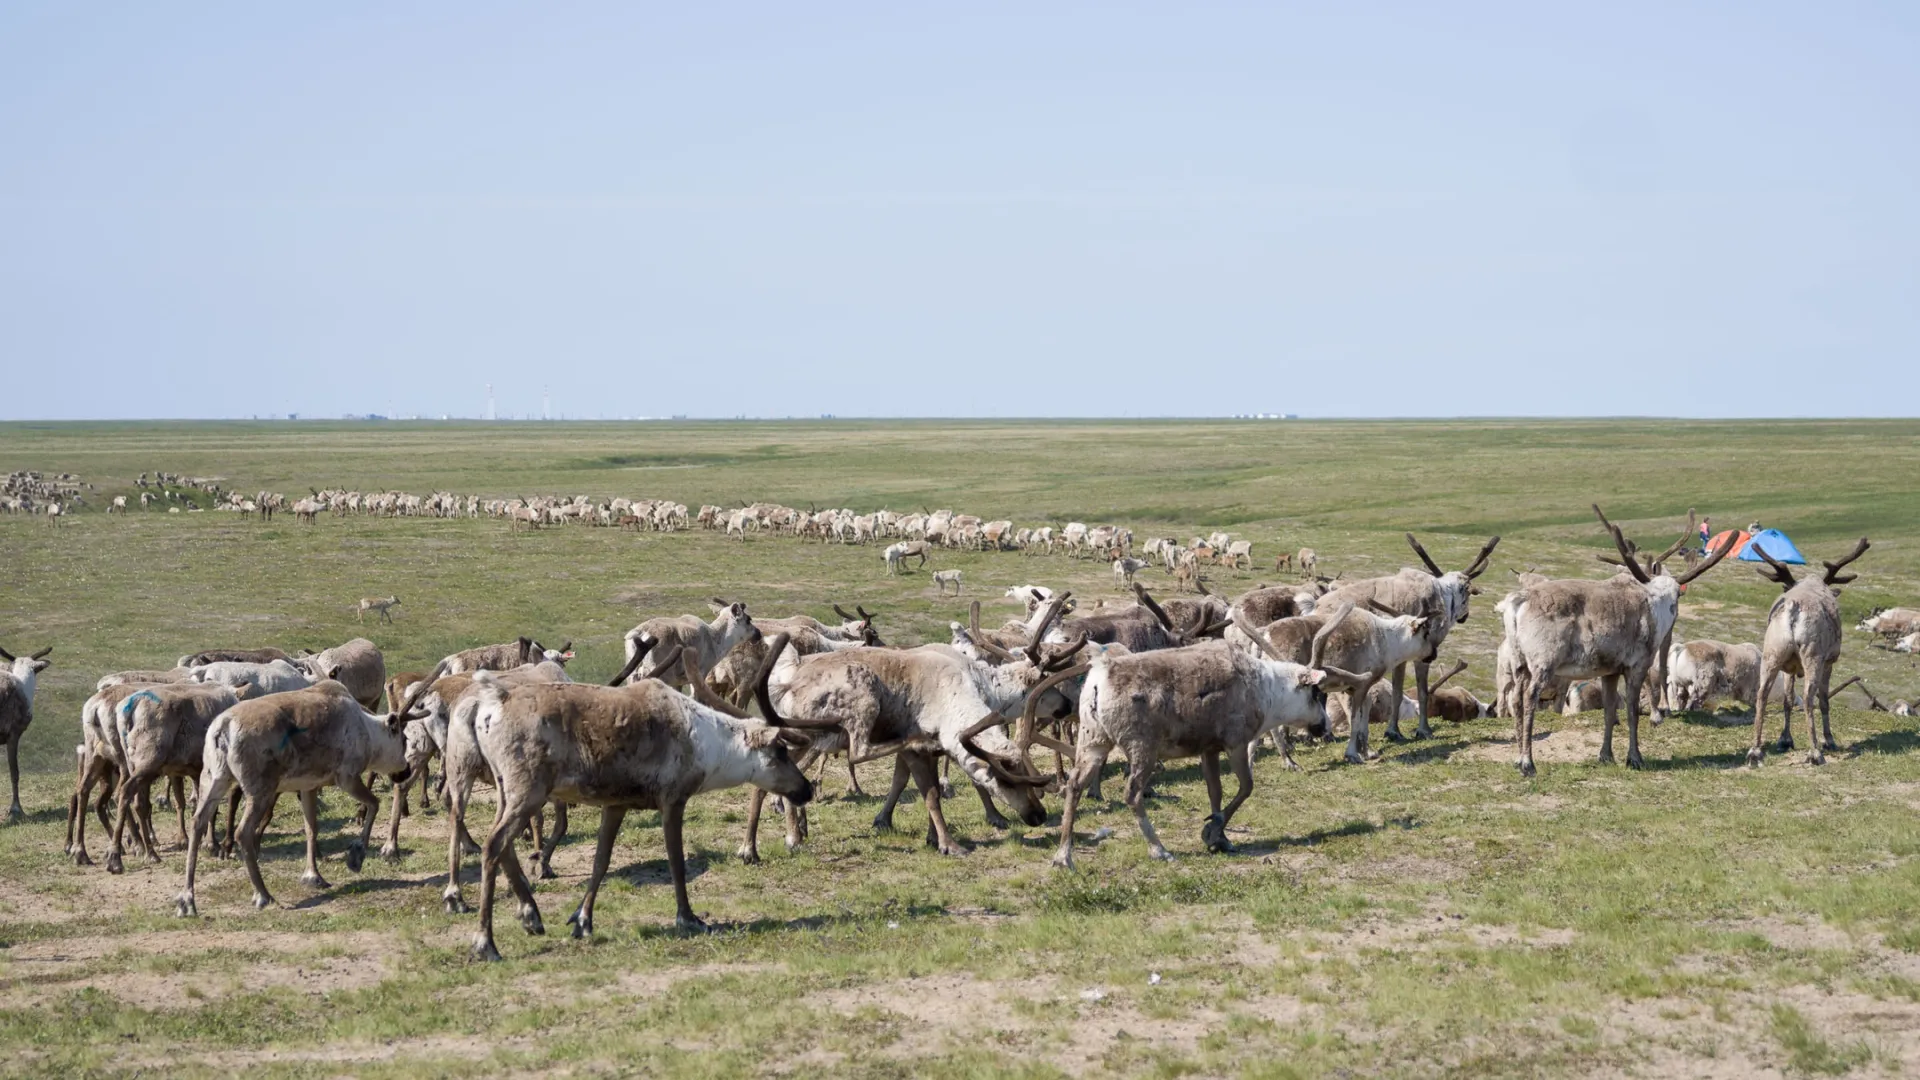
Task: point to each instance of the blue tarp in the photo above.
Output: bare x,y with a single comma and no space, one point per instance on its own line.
1779,548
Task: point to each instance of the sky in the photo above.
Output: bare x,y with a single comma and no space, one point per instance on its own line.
1018,209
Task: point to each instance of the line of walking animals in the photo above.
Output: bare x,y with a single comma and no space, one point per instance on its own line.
1156,680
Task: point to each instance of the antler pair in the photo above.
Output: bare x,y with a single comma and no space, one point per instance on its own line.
1473,570
1645,574
1776,572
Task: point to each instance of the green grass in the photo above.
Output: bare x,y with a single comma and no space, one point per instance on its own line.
1431,913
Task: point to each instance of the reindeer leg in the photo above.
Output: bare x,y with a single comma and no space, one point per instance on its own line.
1816,689
938,837
995,819
1088,759
671,820
310,817
456,812
177,788
1635,680
749,851
582,918
1241,762
1785,742
1399,687
1757,752
1357,749
853,779
258,809
883,820
1523,720
1140,770
1214,833
356,787
1826,722
1610,709
391,849
1421,671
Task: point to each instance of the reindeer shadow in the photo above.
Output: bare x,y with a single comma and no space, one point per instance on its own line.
1433,750
357,887
1319,836
1887,742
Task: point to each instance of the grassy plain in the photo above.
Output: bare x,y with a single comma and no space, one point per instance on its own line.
1430,914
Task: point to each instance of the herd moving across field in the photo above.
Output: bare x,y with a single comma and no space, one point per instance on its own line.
1157,680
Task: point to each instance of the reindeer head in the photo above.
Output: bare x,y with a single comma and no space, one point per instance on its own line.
1456,585
1663,589
28,668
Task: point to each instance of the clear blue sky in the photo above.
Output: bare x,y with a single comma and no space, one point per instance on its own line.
982,209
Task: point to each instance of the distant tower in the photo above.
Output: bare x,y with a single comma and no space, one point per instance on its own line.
489,401
546,404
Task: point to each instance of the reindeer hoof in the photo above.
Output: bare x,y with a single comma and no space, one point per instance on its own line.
1635,761
483,950
1162,854
792,843
390,852
81,858
1754,757
1063,861
113,863
581,922
957,851
998,821
1829,744
546,872
882,823
1816,758
1526,767
1394,736
748,856
184,907
1785,744
15,813
530,921
455,905
1214,834
689,924
356,855
314,881
1606,757
262,901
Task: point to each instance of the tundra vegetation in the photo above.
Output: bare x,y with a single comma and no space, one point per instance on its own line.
1429,912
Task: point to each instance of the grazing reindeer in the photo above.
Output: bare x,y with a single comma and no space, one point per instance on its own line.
383,605
1580,629
1803,639
944,578
1124,568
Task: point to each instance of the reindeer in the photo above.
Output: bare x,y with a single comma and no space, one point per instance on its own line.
1803,639
16,711
1370,643
1442,598
1201,700
1580,629
921,702
709,642
637,746
301,741
382,605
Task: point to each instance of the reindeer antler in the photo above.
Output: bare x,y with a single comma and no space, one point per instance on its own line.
1773,571
1457,669
1479,564
1834,576
1631,564
980,640
1432,566
1713,560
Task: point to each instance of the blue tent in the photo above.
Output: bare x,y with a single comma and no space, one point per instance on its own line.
1779,548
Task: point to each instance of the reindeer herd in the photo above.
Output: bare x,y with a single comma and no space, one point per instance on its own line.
1156,680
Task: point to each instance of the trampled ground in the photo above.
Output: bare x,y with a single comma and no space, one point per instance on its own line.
1431,913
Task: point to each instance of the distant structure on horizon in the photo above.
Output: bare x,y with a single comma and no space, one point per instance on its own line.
489,401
